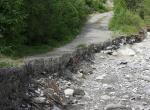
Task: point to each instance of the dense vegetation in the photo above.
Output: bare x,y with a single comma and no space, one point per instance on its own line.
129,15
33,26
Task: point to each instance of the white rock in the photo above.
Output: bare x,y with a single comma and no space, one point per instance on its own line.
55,108
105,97
145,78
40,92
100,77
102,57
117,107
79,75
39,99
148,33
126,51
68,92
115,53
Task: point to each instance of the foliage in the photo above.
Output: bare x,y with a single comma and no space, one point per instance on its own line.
124,19
147,12
12,21
147,7
96,5
133,5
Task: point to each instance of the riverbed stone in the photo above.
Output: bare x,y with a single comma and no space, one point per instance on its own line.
39,99
127,51
68,92
105,97
117,107
78,92
101,77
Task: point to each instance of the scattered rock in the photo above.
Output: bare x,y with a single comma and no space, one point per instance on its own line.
126,51
80,75
39,99
68,75
39,92
145,78
105,97
102,57
68,92
123,63
109,52
109,48
115,53
87,69
109,88
117,107
78,92
56,108
100,77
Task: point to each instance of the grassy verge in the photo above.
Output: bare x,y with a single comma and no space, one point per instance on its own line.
129,22
147,12
12,57
147,20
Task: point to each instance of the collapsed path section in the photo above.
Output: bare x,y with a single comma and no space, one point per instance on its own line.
15,83
20,86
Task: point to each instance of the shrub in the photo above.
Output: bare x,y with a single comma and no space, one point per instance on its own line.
12,23
53,19
96,5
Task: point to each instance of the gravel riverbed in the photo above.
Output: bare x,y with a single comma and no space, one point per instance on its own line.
120,81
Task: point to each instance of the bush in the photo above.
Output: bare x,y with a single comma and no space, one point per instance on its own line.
12,23
96,5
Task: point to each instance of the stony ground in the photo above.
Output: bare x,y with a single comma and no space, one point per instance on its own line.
114,80
120,81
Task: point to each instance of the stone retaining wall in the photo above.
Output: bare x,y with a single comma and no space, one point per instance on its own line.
14,81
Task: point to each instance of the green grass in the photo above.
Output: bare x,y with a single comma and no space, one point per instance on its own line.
125,21
147,20
127,24
147,12
81,46
11,57
9,62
